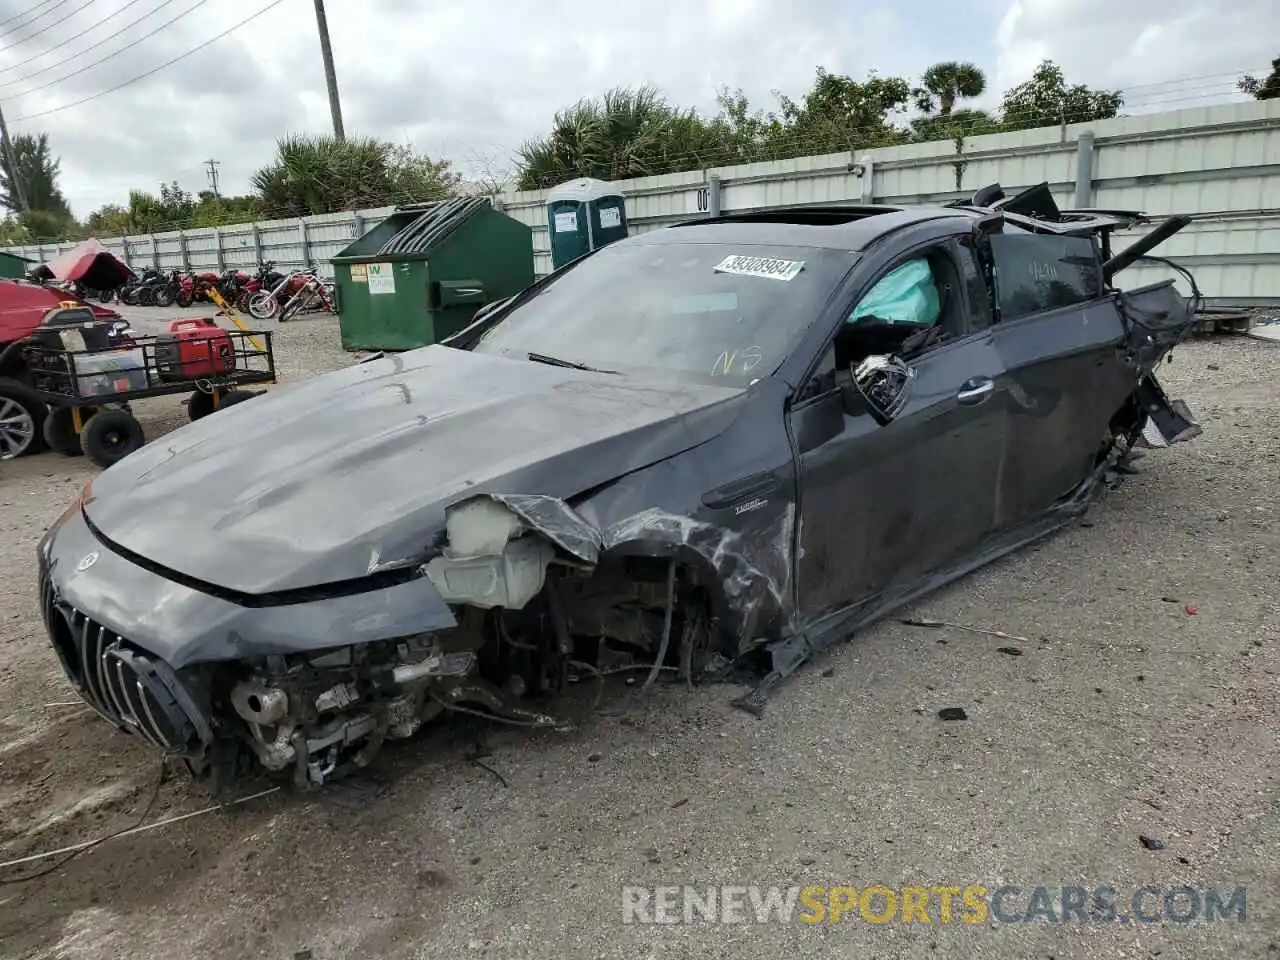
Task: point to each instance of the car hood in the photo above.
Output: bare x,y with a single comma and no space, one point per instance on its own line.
349,473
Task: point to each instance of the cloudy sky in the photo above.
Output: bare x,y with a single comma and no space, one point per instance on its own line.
470,79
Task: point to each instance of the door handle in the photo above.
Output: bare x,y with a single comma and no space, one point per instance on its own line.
975,391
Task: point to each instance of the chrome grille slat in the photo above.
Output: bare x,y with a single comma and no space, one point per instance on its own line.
152,729
118,681
120,693
93,653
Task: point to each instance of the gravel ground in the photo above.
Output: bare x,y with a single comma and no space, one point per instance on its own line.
1144,703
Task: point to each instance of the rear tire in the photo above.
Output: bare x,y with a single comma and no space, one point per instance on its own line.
164,297
22,414
60,432
236,396
199,404
110,436
184,300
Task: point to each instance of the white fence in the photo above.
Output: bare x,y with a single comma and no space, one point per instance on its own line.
1220,165
288,243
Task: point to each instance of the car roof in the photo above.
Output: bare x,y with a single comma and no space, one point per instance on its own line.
855,227
851,228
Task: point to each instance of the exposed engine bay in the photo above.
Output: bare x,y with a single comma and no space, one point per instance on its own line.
531,619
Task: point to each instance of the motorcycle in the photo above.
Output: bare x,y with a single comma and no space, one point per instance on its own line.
139,291
297,291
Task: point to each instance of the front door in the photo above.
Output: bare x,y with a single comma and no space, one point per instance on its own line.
880,505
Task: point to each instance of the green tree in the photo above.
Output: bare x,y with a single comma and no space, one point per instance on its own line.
625,133
37,171
110,220
417,178
1267,88
944,84
1046,100
840,113
313,175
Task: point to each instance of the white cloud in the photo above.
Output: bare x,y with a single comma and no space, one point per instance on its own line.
473,80
1165,54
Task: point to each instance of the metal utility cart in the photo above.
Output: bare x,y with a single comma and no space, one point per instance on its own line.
89,387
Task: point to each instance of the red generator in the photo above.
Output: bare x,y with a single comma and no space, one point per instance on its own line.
192,349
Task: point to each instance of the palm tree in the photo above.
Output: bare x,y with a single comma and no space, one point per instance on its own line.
323,174
945,83
625,133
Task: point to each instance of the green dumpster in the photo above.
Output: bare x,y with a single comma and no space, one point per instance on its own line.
14,267
421,274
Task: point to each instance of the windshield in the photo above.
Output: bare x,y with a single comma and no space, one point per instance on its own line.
726,313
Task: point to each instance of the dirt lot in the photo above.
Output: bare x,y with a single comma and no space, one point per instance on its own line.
1144,703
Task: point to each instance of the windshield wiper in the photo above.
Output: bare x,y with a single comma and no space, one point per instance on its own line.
558,362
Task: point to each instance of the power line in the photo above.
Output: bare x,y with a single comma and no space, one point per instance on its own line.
48,27
33,19
154,70
109,56
76,36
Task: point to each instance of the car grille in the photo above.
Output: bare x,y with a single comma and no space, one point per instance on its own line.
135,692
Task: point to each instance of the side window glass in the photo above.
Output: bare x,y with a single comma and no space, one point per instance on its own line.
823,379
1035,272
907,294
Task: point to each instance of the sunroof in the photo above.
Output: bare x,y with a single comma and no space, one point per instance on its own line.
801,216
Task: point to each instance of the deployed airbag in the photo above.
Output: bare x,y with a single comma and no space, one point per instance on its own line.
906,294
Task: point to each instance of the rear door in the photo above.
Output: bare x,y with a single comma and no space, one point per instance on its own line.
884,504
1060,339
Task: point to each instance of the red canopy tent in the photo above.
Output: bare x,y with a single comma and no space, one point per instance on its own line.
90,263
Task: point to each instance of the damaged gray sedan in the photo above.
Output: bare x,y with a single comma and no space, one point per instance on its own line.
719,446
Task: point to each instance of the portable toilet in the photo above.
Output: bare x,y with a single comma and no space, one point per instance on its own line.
584,215
421,274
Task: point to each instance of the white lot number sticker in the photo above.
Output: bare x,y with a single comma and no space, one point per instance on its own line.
766,267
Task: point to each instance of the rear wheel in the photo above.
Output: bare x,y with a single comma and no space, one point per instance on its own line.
22,414
200,404
184,300
60,430
236,396
110,436
164,297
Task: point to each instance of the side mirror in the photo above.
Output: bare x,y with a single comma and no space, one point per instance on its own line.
880,385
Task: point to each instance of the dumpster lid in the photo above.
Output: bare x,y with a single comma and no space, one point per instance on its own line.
432,226
584,188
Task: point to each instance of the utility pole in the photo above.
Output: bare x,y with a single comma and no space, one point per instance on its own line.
330,77
15,178
213,176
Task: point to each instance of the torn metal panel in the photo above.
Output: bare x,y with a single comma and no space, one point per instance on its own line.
752,565
557,521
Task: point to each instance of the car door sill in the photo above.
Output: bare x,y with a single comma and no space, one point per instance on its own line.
789,653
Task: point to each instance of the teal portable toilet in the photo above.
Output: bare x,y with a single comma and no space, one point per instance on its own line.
584,215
